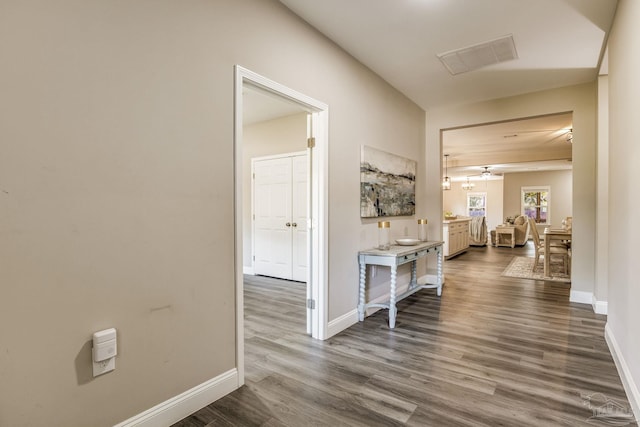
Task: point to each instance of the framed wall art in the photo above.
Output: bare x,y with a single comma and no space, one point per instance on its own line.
387,184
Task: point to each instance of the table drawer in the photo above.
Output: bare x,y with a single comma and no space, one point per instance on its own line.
410,257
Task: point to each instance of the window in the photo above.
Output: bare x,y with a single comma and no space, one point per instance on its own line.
535,203
477,204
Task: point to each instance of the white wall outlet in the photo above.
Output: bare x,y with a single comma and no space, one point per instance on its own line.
104,351
104,366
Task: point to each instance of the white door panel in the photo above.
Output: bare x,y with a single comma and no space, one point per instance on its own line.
280,198
272,194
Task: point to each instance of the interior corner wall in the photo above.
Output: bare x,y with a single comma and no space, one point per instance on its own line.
117,190
624,203
560,183
581,100
271,137
602,193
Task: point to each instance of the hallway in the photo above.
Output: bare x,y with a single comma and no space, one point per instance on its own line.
492,351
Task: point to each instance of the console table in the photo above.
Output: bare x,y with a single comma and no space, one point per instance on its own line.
393,257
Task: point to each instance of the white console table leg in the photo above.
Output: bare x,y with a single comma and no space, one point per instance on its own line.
363,274
440,278
414,275
392,300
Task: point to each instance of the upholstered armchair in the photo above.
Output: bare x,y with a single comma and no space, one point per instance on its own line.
521,230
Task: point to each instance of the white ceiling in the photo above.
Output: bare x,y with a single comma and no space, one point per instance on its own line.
259,105
533,144
558,43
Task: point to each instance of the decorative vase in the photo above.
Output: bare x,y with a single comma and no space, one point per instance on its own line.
384,232
422,230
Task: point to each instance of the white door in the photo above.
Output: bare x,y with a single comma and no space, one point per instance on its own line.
280,224
272,225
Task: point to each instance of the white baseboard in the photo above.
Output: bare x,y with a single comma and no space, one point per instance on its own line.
249,270
341,323
600,307
581,297
185,404
630,386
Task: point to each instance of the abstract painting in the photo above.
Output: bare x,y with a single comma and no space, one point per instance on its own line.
387,184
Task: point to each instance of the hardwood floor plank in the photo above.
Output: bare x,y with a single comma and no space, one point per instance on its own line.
492,351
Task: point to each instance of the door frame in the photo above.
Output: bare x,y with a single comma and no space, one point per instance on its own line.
318,197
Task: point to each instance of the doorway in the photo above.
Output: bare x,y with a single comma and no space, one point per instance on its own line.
503,159
316,221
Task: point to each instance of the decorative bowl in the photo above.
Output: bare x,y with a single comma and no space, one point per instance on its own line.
407,242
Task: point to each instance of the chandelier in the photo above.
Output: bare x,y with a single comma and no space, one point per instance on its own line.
468,185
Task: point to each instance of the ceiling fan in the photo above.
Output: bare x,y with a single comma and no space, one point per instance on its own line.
562,133
486,173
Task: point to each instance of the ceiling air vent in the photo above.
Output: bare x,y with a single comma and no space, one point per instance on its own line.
480,55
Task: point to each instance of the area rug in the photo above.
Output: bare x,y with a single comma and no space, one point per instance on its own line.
521,267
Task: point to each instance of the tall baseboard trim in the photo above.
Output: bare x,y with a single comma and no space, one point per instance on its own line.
341,323
581,297
630,387
600,307
249,270
185,404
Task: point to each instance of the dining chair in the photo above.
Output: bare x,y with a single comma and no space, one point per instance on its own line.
555,248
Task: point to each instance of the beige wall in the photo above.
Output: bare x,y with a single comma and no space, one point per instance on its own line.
116,198
560,184
624,203
455,200
278,136
581,100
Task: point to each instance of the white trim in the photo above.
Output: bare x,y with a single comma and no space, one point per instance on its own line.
343,322
600,307
630,387
319,213
181,406
238,232
581,297
320,222
248,270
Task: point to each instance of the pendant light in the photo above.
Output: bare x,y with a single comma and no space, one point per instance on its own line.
446,181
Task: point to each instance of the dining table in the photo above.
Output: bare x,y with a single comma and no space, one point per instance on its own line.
550,233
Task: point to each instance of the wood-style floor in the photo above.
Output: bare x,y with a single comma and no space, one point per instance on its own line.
493,351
